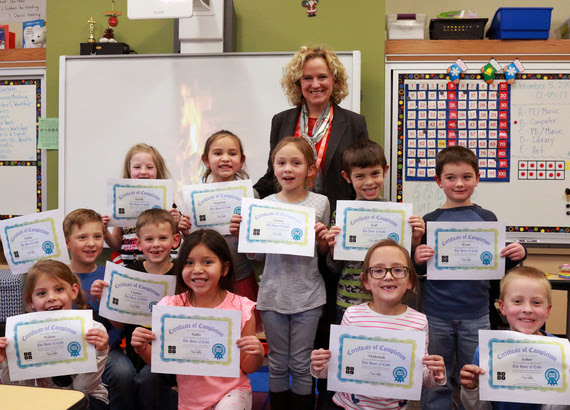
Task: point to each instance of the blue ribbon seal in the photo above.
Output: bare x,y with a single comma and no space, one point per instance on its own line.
552,376
394,236
152,304
48,247
219,351
399,374
486,258
237,210
74,348
296,234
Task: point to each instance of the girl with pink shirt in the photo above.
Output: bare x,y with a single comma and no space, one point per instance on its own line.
205,278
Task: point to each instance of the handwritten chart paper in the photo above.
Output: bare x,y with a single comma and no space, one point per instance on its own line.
18,122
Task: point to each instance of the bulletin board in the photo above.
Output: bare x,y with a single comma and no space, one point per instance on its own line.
22,182
520,133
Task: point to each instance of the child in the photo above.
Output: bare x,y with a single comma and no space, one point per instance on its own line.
456,309
83,230
365,167
157,235
224,159
51,285
141,162
526,300
205,279
292,290
387,273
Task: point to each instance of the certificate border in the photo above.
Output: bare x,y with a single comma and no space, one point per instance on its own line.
196,317
376,339
545,389
495,254
52,256
196,223
115,186
113,273
31,322
365,248
248,234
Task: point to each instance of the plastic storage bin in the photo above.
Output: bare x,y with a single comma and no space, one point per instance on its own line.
457,29
405,26
520,23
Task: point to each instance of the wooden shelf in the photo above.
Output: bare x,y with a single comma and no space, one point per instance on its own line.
23,57
476,50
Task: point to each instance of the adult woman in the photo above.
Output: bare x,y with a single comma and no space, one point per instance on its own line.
315,82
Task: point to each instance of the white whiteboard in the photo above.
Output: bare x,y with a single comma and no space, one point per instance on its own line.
173,102
540,131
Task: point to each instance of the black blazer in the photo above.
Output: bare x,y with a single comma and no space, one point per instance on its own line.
347,127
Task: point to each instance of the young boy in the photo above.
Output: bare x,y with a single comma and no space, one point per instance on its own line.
83,230
526,300
456,309
365,167
157,235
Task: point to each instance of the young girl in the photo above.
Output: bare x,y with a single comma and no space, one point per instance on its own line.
387,272
50,285
141,162
292,290
205,280
224,159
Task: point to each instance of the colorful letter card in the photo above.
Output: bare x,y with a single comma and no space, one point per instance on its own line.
131,295
212,205
523,368
466,250
376,362
47,344
276,227
363,223
196,341
128,198
29,238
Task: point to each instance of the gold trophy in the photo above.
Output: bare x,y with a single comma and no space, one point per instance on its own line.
91,23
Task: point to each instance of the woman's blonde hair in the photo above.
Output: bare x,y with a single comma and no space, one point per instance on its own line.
55,270
293,72
161,170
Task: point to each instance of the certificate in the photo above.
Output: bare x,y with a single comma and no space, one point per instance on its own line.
47,344
29,238
128,198
131,295
276,227
523,368
363,223
466,250
212,205
196,341
377,362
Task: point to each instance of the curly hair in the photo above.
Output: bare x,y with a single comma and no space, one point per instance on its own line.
293,72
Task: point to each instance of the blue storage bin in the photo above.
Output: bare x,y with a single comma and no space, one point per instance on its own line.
520,23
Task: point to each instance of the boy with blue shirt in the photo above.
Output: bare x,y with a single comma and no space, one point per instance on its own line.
456,309
83,230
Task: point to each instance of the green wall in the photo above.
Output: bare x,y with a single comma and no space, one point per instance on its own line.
280,25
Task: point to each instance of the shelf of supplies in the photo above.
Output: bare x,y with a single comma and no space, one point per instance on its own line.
23,57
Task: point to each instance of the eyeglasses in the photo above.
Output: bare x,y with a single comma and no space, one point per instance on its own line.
379,272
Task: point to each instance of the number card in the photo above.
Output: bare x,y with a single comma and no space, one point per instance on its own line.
377,362
196,341
128,198
47,344
131,295
30,238
212,205
523,368
363,223
466,250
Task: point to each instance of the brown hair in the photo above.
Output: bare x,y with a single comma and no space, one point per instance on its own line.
389,242
454,155
217,244
525,272
213,138
303,146
156,216
161,170
364,153
57,271
80,217
293,72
